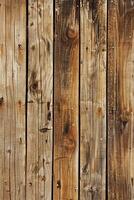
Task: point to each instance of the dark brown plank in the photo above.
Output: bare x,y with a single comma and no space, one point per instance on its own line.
66,70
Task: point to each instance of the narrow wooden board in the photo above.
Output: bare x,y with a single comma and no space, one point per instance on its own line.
93,99
66,73
39,118
120,100
12,98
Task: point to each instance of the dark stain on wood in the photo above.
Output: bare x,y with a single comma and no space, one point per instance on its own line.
99,112
66,8
48,46
44,130
132,181
33,85
88,156
30,101
49,116
1,101
66,128
48,105
59,184
19,103
33,47
31,24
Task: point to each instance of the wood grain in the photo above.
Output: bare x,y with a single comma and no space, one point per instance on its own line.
66,71
93,100
12,99
120,100
40,91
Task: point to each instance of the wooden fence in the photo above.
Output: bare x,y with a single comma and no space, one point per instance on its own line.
66,99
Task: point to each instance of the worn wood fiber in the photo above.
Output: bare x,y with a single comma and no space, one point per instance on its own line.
40,91
12,99
66,72
67,100
93,100
120,100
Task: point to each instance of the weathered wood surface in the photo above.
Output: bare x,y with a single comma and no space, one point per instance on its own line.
39,117
93,99
12,99
120,100
66,75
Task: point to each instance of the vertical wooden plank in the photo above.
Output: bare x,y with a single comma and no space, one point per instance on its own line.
93,99
66,71
120,99
12,99
39,122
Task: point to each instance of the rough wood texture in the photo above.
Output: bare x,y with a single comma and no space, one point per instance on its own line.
39,126
120,100
93,99
66,70
34,163
12,99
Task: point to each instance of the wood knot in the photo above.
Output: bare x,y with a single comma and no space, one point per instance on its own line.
20,47
48,105
44,130
19,103
84,169
124,118
1,100
69,144
33,83
66,128
30,184
99,112
71,33
33,47
59,184
49,116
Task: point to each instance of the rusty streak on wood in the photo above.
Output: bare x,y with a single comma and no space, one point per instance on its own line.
66,70
120,99
93,100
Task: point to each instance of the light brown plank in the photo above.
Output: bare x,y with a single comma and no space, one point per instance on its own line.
12,99
121,100
66,70
39,126
93,99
